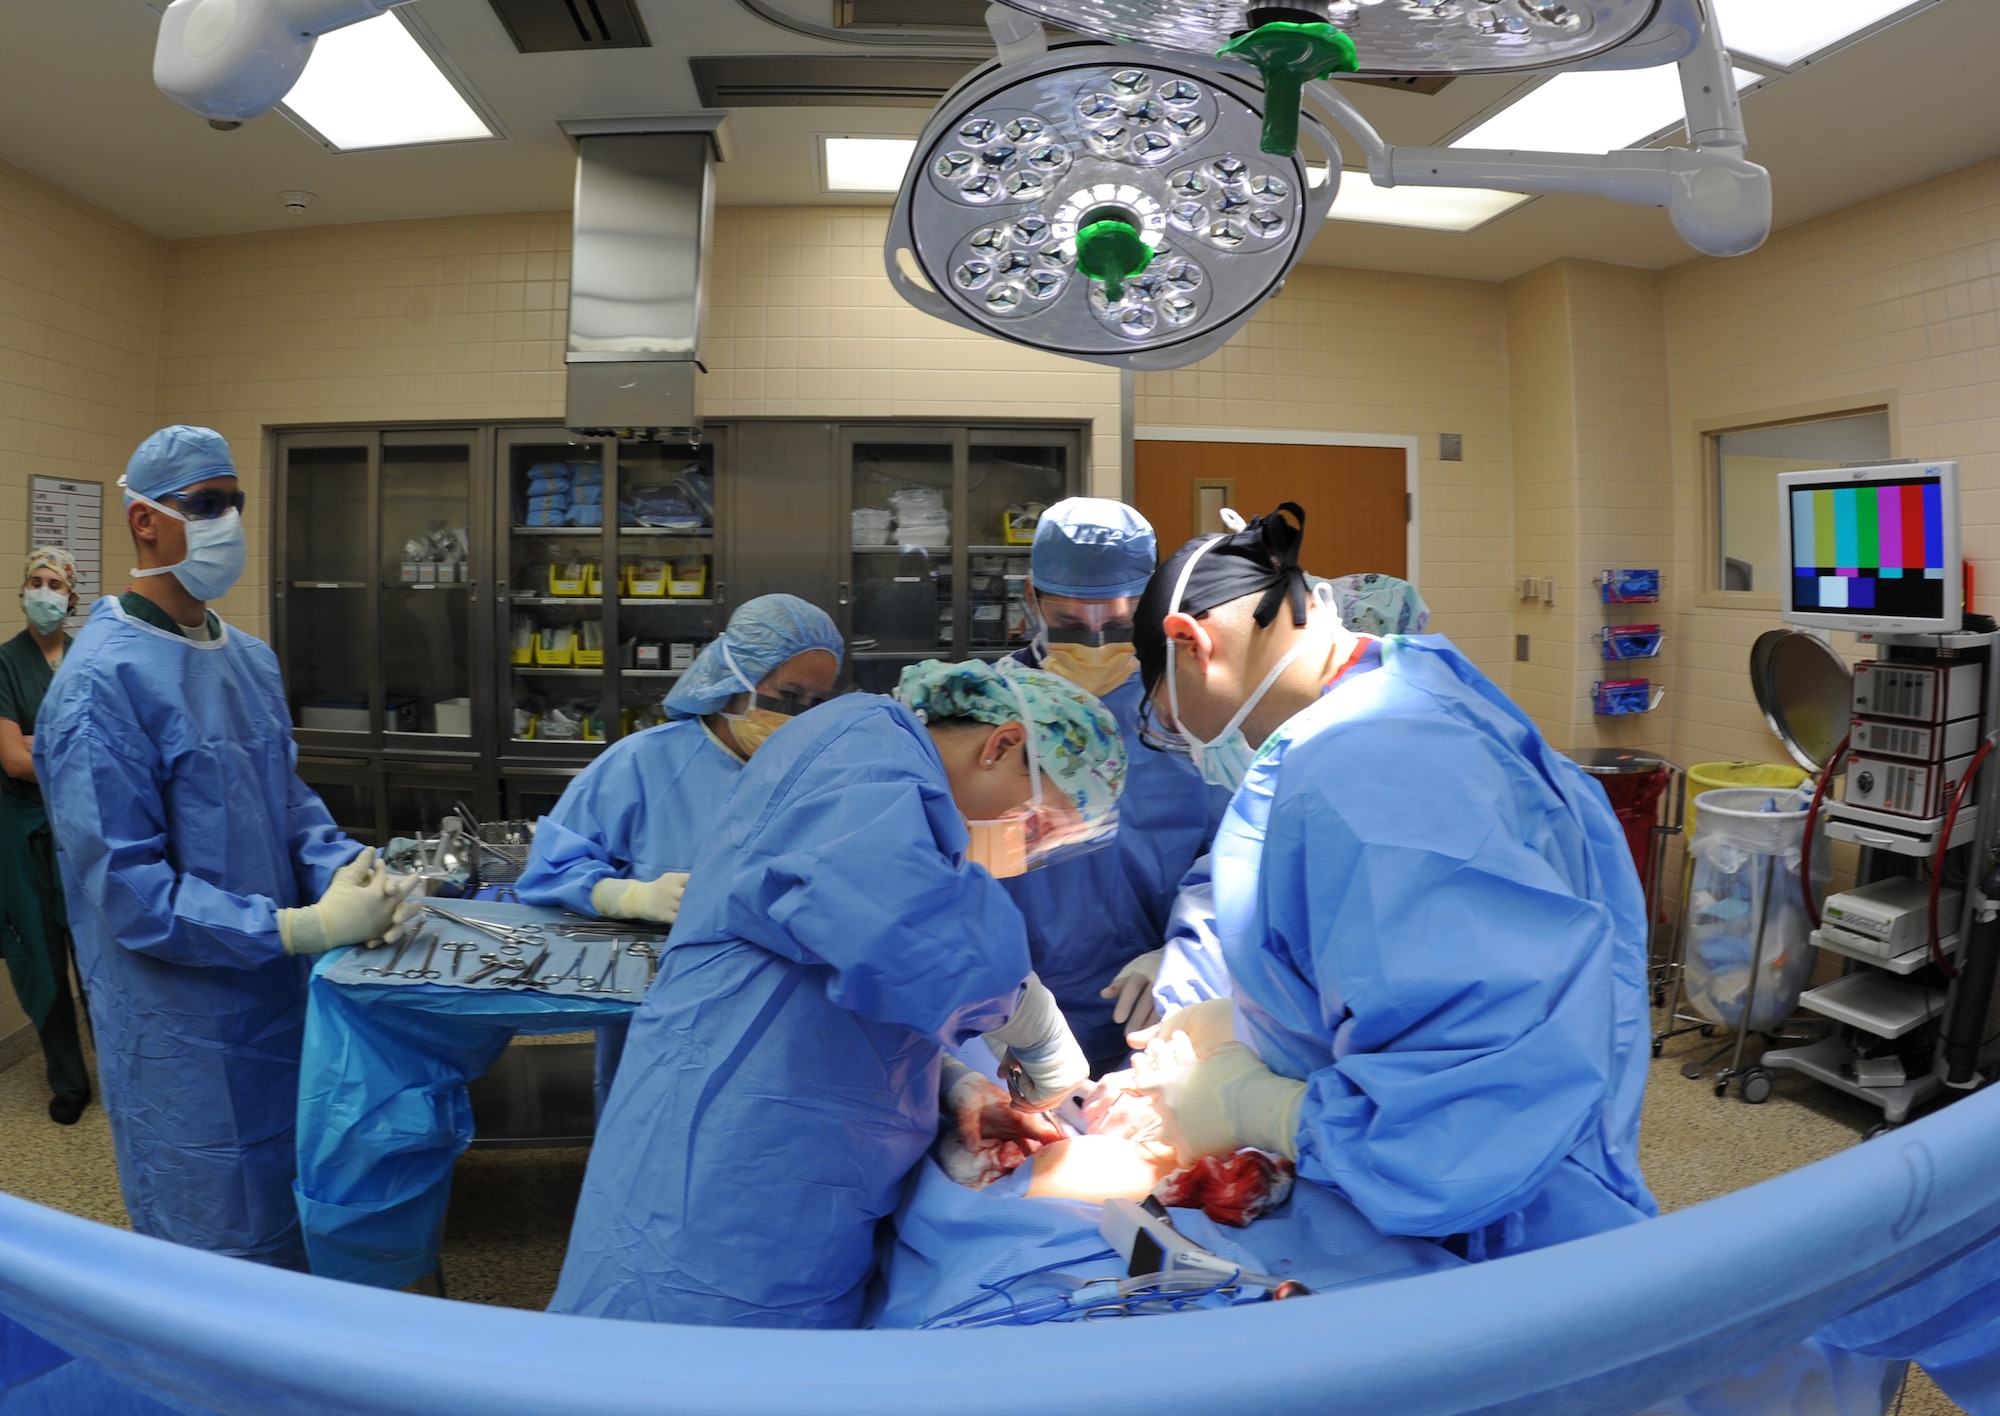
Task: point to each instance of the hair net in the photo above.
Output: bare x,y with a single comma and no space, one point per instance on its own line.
51,558
762,634
1380,604
1262,558
1076,738
1093,549
176,458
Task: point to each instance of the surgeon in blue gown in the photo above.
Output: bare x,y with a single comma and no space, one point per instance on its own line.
625,833
200,872
1433,928
1096,920
781,1079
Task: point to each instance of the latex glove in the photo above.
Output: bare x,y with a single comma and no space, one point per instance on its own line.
1037,1052
363,902
993,1137
1132,986
658,899
1112,1107
1218,1104
1208,1026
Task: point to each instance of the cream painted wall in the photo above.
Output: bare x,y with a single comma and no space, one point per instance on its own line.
1894,294
79,328
1366,352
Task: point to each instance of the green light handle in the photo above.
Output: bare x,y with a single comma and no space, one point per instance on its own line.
1110,250
1288,55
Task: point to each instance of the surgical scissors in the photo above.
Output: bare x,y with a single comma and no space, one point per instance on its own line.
510,935
424,970
395,959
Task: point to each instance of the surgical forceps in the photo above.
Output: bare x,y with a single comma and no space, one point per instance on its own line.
459,948
424,970
395,960
511,936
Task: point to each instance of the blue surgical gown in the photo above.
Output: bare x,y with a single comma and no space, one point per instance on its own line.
1432,919
644,807
781,1077
169,769
1090,915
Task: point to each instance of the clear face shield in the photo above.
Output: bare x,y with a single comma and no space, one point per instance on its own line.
1044,830
1088,642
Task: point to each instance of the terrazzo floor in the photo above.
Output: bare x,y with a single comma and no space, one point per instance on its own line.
510,1209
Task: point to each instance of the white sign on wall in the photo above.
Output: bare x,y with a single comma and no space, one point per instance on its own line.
68,513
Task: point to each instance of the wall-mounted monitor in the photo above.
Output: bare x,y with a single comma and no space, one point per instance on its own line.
1873,549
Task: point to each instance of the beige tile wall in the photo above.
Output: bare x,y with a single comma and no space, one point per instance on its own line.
1896,294
1369,352
79,327
803,322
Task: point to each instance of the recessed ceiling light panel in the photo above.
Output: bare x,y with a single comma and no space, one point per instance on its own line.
1785,31
1424,208
1590,112
851,164
1104,205
372,85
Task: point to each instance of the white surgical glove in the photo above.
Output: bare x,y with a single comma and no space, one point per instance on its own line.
658,900
363,902
1208,1025
1132,986
1036,1048
1220,1103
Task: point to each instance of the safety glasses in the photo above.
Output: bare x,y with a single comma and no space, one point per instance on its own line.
789,705
1155,735
205,503
1115,632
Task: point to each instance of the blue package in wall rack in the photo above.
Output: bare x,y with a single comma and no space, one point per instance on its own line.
1631,641
1630,587
1617,697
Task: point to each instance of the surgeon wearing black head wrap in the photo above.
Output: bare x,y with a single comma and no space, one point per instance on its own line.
1262,558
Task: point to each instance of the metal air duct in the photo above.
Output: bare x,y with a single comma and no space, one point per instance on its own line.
638,271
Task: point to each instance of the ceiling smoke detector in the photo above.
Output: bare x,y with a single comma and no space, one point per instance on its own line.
295,203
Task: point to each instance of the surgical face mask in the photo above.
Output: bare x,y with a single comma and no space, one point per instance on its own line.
46,608
216,551
1094,668
1223,760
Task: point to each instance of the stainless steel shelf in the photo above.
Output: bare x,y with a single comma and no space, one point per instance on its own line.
594,532
652,673
329,585
557,672
666,532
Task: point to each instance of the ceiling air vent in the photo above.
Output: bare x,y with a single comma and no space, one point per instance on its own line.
832,81
910,14
550,26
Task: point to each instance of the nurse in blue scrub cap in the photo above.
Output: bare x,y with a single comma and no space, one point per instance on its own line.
201,873
781,1080
1430,918
624,835
1096,921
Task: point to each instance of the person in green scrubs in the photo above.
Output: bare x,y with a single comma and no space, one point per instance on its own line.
34,923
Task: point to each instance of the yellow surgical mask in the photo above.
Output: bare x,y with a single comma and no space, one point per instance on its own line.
1094,668
754,728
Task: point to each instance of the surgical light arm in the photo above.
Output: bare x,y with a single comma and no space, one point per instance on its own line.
1719,202
230,60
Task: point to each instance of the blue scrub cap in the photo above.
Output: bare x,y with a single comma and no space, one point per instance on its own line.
1092,548
1076,738
762,634
173,459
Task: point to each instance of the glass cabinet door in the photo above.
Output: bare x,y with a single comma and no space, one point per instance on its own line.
325,584
901,503
1008,486
427,585
669,598
553,493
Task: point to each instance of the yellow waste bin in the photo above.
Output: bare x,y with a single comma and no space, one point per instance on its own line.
1708,776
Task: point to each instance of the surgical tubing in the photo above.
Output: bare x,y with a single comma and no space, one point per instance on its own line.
1812,814
1946,966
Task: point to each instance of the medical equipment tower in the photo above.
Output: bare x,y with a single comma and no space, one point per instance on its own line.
1875,551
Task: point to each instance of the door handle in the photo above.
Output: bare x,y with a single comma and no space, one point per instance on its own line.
842,592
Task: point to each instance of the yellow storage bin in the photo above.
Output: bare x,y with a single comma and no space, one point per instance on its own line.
688,579
595,580
573,579
556,648
1709,776
646,580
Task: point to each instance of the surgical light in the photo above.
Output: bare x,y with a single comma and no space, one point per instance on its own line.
1590,112
230,60
1426,208
1105,204
372,85
1785,31
864,164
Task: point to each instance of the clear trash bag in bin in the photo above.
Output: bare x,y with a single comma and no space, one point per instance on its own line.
1746,869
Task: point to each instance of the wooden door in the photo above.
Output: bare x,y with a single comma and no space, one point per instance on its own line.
1356,510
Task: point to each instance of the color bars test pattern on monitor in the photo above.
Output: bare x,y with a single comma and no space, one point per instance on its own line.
1876,549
